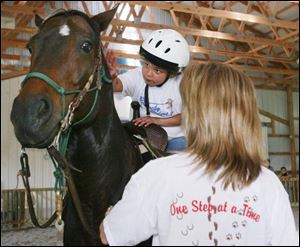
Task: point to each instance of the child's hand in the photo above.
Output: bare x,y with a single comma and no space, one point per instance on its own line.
145,121
111,60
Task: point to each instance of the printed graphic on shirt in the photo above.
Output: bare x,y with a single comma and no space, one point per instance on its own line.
242,214
160,109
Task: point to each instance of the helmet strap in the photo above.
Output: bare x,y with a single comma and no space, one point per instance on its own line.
146,94
146,99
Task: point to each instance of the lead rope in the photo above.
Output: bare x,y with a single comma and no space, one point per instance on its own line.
61,145
61,142
25,174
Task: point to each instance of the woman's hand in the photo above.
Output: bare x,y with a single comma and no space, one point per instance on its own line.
102,235
111,60
146,121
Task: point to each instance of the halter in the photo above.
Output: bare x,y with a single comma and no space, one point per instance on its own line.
67,118
62,92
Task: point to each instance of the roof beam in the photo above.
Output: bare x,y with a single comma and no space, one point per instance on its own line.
193,49
15,9
218,13
193,32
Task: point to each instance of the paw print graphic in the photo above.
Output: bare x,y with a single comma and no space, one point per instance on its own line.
234,224
246,199
229,236
238,235
244,223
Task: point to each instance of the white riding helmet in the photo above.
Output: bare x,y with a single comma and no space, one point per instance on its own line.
166,48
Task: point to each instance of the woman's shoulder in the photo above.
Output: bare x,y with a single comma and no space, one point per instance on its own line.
271,183
268,174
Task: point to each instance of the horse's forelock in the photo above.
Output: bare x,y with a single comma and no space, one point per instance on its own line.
55,13
62,12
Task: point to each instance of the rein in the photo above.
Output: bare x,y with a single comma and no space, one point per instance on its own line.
25,174
62,166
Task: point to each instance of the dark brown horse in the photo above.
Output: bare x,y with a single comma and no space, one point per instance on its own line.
64,59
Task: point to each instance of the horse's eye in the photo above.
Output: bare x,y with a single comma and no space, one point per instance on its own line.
29,48
86,46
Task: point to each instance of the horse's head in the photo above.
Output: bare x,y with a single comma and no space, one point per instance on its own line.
63,56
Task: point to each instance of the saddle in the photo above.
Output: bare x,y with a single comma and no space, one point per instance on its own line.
153,137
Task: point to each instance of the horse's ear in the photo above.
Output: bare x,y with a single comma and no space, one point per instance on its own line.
38,20
103,19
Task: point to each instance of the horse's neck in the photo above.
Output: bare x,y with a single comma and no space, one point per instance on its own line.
102,151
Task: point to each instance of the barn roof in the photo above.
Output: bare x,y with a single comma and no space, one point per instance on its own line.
259,37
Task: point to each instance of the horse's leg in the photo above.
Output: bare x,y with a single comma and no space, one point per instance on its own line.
73,232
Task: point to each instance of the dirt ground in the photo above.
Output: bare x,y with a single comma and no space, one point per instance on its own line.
30,237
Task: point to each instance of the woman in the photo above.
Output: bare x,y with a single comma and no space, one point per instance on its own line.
218,191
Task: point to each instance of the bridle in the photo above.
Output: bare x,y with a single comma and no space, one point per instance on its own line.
57,151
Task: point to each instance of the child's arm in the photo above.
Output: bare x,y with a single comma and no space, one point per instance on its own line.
166,122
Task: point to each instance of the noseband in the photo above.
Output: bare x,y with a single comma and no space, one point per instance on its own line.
81,93
60,90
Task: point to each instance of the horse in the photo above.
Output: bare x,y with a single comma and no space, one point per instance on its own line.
65,58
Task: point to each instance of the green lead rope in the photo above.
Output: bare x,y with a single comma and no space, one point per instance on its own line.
59,177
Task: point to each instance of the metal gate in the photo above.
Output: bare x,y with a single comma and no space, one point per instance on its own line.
14,207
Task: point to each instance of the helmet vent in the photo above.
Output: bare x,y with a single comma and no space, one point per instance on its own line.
158,43
150,41
178,41
166,51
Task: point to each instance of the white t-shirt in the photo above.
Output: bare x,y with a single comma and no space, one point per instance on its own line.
164,101
178,206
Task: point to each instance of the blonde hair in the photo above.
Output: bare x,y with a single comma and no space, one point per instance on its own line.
222,124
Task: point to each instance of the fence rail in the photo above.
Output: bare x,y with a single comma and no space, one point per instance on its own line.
14,207
291,186
15,212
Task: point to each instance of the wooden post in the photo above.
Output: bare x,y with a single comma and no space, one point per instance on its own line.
292,129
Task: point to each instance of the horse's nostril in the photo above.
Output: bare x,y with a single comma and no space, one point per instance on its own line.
43,107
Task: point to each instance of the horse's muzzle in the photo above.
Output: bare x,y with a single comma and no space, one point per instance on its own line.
32,121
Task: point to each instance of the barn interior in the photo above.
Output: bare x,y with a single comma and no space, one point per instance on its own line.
260,38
